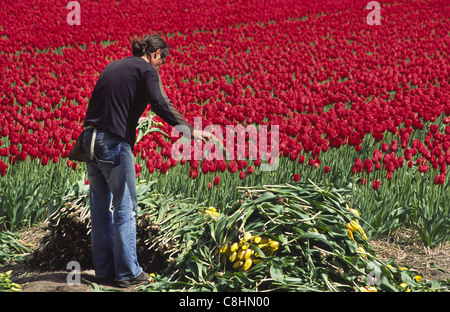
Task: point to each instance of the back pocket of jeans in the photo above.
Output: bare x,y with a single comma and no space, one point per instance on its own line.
108,154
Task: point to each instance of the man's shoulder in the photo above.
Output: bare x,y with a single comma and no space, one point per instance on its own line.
136,64
129,60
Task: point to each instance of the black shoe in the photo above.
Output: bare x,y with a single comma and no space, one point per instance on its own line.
142,278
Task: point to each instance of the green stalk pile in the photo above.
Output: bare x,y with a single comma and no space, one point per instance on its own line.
160,223
301,237
289,237
11,250
67,238
10,246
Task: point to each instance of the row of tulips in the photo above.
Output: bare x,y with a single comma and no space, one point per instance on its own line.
334,86
317,102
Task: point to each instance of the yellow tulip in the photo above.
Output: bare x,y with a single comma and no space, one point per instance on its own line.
248,253
213,214
247,237
274,245
241,254
224,249
350,233
234,247
233,256
361,230
352,226
362,251
247,264
368,289
418,278
403,285
238,264
261,246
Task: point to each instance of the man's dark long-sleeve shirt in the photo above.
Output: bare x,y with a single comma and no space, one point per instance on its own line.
123,91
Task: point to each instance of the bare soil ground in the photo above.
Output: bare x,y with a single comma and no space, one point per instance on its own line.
403,246
41,280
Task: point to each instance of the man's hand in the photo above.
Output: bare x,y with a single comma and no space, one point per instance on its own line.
205,136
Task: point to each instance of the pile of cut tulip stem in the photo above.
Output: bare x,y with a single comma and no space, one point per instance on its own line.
314,252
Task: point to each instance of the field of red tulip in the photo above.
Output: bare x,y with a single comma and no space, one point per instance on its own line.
358,106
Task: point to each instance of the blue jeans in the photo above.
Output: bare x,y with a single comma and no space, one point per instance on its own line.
113,206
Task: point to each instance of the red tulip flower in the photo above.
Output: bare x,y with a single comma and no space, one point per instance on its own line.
376,185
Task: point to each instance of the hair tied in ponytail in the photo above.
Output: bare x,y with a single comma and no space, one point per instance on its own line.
137,48
149,44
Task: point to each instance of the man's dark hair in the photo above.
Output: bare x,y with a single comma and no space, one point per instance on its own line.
148,45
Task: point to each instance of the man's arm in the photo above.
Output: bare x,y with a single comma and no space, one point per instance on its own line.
164,108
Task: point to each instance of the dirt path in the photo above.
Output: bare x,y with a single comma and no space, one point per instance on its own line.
36,280
33,280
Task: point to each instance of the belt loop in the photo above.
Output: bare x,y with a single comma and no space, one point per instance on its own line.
94,135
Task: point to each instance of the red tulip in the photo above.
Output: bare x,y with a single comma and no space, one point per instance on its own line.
205,168
232,166
137,168
45,112
222,166
368,165
394,145
424,167
193,173
376,184
216,180
440,179
45,160
3,168
301,159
